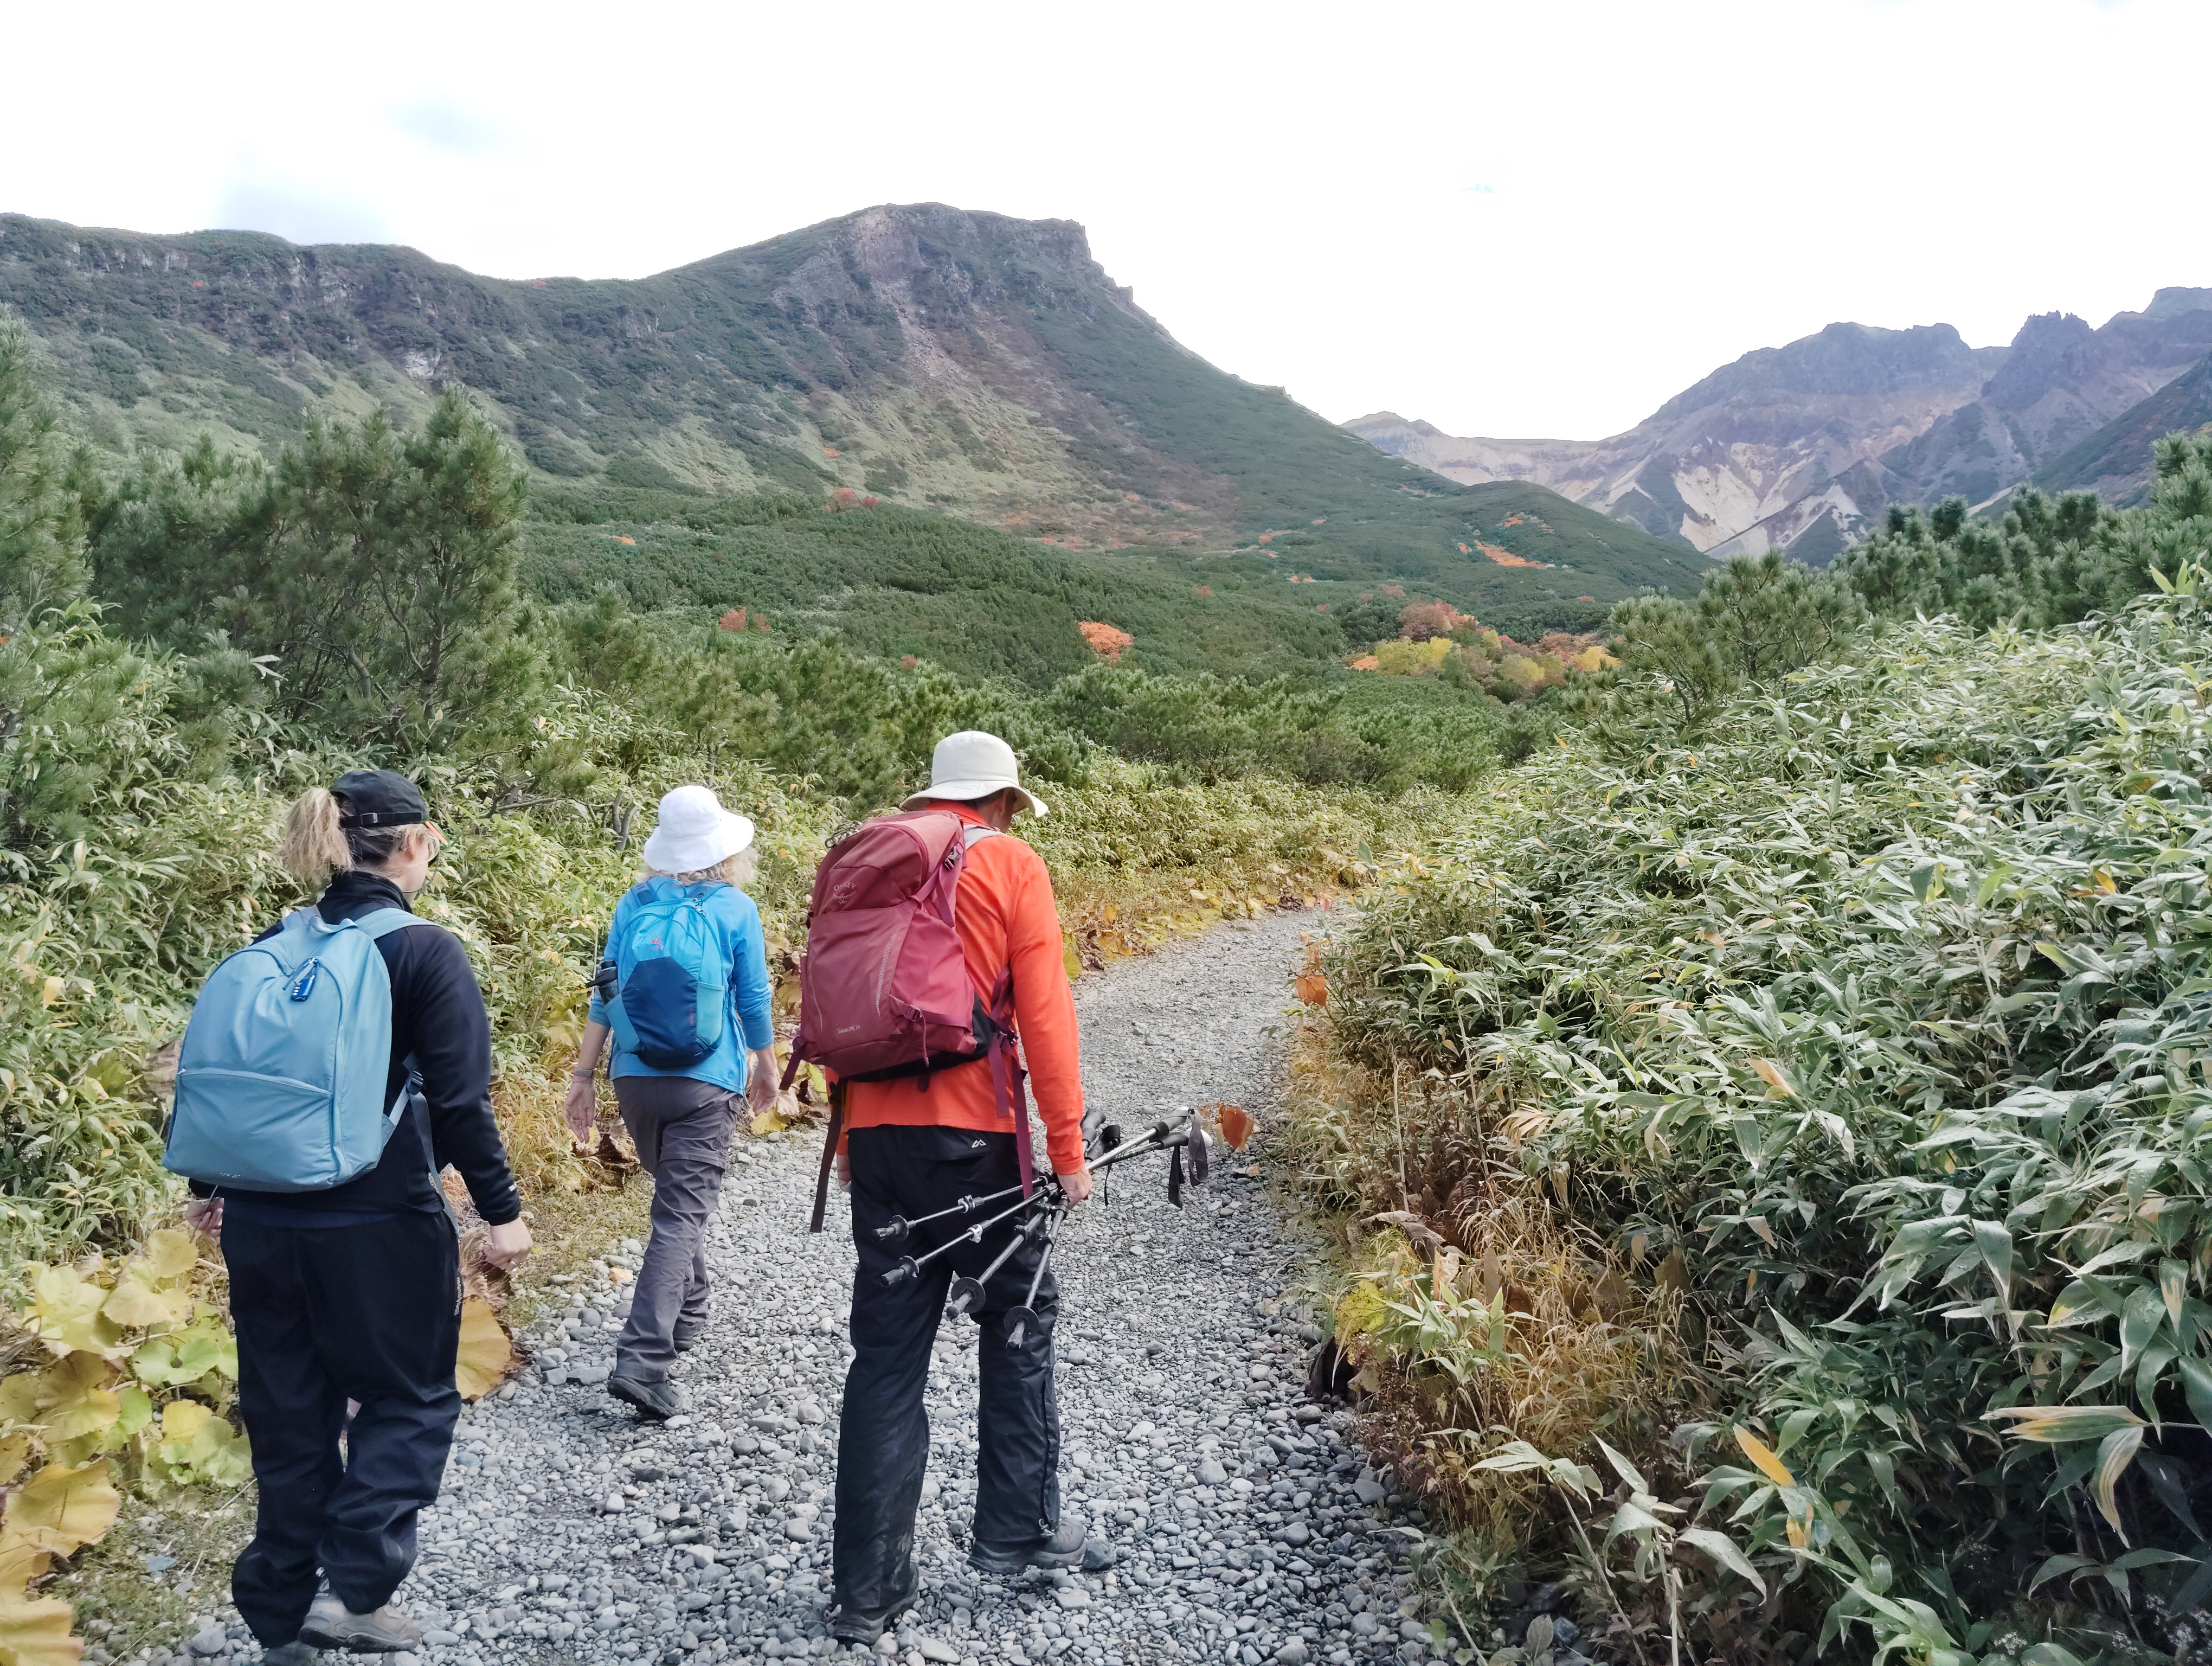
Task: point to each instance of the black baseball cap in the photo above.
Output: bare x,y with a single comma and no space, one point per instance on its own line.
378,797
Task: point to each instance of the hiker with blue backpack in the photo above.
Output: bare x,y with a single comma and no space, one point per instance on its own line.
683,992
331,1068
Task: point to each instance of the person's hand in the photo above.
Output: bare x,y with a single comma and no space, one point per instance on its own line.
761,1090
845,1170
1076,1185
505,1244
580,1106
204,1215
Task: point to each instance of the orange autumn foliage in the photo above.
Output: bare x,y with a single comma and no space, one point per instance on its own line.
1107,641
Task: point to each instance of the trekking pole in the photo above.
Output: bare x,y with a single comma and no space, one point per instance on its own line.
967,1293
896,1231
1023,1318
910,1267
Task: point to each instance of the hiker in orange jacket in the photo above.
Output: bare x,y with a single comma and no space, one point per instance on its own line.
914,1146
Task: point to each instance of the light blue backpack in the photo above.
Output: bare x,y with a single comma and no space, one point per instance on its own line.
280,1083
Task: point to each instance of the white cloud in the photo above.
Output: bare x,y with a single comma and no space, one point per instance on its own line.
1288,187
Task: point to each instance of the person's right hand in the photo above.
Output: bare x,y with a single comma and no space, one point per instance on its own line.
1076,1185
204,1215
507,1244
845,1169
579,1107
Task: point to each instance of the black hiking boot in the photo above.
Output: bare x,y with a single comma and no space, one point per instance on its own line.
657,1401
686,1336
865,1626
1064,1548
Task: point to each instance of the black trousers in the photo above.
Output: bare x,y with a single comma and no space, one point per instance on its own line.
883,1443
370,1313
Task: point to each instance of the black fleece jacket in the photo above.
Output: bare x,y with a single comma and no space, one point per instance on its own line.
437,1019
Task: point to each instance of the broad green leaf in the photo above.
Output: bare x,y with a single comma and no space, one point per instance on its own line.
2197,1387
1995,1244
1627,1470
2139,1321
1723,1549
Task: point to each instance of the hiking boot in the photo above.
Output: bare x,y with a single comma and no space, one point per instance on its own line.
865,1626
657,1401
332,1624
294,1653
687,1335
1064,1548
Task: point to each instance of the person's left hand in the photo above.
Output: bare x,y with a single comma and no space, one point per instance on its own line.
204,1215
505,1244
762,1090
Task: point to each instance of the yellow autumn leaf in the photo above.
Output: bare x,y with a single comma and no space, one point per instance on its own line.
15,1453
1772,1073
1800,1532
63,1509
181,1419
170,1255
64,1312
76,1397
50,991
770,1122
1763,1455
19,1398
21,1562
486,1356
35,1632
136,1305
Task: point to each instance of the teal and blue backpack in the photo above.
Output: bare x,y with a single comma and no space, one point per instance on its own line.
280,1083
671,988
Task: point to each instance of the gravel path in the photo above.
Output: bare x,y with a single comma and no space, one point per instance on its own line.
1243,1516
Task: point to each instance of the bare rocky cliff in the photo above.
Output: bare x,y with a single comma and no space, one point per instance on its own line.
1803,447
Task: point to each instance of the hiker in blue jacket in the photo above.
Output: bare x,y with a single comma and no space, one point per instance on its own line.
353,1291
685,993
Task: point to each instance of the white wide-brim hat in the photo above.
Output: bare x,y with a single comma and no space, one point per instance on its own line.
972,765
694,832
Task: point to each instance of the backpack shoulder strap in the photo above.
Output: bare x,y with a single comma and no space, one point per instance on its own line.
385,921
974,833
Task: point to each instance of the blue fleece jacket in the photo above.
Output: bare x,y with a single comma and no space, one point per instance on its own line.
737,926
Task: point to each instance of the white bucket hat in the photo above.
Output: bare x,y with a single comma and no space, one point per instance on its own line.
694,832
972,765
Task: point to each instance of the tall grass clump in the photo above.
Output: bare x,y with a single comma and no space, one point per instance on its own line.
1858,1039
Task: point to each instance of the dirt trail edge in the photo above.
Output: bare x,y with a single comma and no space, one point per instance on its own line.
569,1532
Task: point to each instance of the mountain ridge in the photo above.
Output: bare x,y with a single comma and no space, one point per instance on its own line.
1804,446
960,361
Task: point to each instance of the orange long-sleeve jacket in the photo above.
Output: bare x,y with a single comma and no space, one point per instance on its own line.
1006,916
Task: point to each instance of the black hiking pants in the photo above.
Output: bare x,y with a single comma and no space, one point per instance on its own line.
883,1442
327,1314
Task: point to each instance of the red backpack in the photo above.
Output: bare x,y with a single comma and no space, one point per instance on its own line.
883,990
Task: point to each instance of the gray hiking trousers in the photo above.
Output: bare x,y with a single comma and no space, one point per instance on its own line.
682,1128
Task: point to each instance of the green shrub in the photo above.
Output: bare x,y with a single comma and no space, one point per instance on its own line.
1873,1018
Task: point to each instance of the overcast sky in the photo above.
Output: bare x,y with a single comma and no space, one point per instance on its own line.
1511,219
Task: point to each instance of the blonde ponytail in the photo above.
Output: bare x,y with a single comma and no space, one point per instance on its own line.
312,848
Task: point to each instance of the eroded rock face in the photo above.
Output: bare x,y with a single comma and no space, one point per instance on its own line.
1803,447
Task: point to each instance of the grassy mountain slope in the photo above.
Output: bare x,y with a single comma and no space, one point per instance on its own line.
969,363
